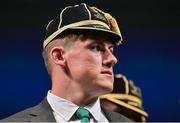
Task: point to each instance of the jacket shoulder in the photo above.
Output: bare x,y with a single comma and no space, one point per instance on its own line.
115,117
39,113
22,116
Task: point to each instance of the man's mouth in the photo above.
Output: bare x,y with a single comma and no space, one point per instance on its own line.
107,72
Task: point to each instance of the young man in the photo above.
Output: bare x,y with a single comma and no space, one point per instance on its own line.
78,54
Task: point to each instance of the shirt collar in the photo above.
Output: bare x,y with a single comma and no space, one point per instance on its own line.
95,110
66,109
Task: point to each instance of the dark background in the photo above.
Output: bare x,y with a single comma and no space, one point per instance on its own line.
150,55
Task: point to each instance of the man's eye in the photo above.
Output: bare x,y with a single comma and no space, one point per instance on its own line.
111,50
96,48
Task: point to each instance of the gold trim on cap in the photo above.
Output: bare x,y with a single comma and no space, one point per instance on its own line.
118,75
122,96
127,106
73,25
126,84
125,80
48,24
60,16
89,13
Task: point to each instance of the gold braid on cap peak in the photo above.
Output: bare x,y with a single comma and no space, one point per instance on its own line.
112,23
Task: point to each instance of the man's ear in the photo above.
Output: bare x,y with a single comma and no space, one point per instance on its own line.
57,55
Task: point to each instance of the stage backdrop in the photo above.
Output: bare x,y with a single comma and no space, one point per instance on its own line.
150,54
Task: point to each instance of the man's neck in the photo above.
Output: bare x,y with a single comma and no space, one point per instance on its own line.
73,94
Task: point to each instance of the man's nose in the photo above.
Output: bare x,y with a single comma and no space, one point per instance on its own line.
109,59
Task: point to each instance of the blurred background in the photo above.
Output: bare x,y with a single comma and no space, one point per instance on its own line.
150,54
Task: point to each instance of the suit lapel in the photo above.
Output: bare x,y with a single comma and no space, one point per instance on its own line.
42,113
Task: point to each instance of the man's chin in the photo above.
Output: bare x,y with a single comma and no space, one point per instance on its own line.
108,87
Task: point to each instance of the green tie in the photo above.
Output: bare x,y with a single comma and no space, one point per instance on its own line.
83,115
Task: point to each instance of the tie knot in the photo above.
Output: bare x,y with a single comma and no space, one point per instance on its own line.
83,114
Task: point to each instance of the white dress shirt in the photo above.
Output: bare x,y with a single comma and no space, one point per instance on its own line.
64,110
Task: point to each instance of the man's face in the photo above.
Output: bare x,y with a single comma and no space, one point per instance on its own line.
90,65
